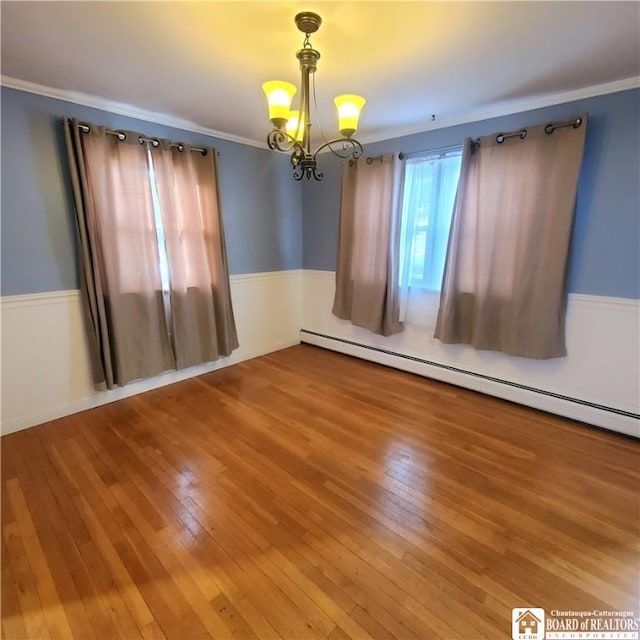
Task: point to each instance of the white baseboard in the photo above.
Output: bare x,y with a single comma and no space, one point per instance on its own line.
598,382
97,399
45,363
538,399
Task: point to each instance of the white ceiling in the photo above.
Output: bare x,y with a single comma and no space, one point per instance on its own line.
204,62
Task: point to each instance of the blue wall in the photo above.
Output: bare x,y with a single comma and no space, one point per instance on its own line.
271,224
261,203
605,253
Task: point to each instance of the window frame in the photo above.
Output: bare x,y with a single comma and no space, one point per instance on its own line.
410,282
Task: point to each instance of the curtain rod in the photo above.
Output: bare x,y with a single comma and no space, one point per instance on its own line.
121,135
438,151
500,138
522,133
442,151
371,160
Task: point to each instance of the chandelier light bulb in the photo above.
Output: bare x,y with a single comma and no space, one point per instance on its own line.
349,108
279,96
295,126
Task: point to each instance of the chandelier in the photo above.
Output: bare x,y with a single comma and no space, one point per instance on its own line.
292,129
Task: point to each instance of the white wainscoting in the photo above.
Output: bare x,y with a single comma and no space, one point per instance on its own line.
46,374
45,363
602,367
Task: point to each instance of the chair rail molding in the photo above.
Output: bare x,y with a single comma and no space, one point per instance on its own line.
46,372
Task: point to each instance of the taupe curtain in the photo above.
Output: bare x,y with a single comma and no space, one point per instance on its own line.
203,326
139,326
120,283
367,270
504,286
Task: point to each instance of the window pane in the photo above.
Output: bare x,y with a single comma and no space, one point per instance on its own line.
163,262
429,195
417,255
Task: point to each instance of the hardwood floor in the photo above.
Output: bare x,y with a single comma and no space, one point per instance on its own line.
306,494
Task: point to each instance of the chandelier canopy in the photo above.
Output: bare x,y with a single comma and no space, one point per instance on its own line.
292,129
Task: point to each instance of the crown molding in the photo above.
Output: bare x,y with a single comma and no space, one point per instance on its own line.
123,109
494,111
506,109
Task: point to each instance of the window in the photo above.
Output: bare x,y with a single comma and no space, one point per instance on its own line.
429,192
430,185
163,259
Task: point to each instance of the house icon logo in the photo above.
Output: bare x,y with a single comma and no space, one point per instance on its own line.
527,624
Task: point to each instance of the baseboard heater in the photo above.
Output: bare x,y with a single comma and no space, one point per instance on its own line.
439,365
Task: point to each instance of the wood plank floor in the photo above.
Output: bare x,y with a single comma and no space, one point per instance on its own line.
306,494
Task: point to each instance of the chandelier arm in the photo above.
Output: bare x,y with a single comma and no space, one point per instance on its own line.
315,104
279,140
355,150
300,133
